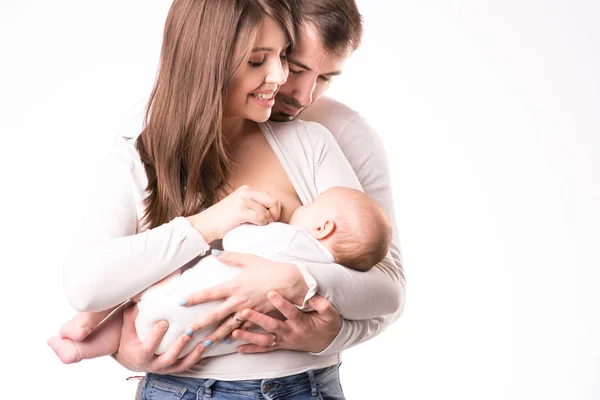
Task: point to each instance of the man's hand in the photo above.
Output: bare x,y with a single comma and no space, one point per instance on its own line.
248,290
140,357
302,331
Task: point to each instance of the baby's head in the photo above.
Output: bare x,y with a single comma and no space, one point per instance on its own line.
350,224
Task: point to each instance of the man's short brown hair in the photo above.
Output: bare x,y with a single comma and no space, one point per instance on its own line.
338,23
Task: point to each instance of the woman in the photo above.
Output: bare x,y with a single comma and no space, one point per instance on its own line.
180,186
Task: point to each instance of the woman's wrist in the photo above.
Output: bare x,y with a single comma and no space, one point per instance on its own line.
197,223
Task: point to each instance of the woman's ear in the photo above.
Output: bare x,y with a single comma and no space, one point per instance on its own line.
324,229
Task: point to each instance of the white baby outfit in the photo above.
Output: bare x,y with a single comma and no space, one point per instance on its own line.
276,241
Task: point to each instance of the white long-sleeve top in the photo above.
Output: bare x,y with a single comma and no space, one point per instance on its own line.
116,257
365,152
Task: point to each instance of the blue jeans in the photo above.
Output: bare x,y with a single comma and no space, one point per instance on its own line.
320,384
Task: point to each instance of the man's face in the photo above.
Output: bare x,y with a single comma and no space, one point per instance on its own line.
312,69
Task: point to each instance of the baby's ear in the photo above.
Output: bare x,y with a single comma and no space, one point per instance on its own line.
324,229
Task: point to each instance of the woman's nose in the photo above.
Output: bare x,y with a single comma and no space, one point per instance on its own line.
277,73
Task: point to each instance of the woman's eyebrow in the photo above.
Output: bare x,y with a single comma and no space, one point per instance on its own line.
268,48
262,49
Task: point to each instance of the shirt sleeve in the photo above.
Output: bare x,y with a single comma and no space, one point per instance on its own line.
380,291
109,261
356,332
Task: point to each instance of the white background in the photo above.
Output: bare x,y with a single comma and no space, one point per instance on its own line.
491,116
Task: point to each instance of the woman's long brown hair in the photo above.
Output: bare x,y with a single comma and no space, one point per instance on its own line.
205,44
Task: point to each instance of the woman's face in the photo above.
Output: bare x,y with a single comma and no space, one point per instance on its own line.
252,92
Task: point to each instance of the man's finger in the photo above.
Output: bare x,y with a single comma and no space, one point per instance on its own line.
188,361
154,337
217,292
216,315
246,325
170,357
223,330
289,310
261,339
150,343
269,324
323,307
252,348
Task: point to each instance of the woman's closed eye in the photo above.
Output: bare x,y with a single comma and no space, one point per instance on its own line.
255,63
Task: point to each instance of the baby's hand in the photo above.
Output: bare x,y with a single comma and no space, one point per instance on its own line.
244,205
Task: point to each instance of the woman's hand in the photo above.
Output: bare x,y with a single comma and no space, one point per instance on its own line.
248,290
139,356
302,331
244,205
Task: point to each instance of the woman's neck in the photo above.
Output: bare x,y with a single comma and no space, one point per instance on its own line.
234,131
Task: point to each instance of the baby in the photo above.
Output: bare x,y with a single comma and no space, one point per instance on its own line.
342,225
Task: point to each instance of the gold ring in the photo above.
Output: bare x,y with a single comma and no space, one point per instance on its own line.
274,339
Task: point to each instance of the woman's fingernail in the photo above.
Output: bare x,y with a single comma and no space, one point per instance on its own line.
215,252
189,332
207,343
228,340
163,325
183,302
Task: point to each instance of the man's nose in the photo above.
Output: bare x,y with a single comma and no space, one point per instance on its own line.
303,92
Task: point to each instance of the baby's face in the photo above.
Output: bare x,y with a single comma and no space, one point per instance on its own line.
302,218
309,216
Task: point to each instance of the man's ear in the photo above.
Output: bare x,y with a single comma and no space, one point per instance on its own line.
324,230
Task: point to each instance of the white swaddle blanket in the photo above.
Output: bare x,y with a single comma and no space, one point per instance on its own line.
276,241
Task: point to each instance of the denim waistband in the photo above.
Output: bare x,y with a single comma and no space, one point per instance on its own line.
259,389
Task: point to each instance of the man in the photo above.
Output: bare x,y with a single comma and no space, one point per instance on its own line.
330,31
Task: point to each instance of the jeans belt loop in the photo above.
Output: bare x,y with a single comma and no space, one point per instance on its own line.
208,387
313,383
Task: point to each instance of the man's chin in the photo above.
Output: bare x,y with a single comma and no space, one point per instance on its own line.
281,117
